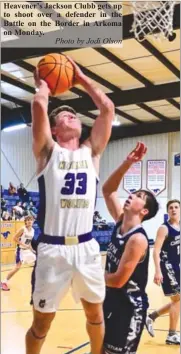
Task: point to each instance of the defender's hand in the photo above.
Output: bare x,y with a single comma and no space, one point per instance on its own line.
138,153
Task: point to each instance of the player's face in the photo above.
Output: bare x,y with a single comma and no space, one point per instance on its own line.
29,222
68,122
174,211
136,203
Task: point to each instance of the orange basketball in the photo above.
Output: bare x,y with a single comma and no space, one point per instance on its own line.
57,71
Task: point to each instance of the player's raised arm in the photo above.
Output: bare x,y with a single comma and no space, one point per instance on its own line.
160,238
102,127
110,187
42,136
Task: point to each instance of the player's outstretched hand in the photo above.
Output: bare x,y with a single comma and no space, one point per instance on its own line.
138,153
79,76
158,278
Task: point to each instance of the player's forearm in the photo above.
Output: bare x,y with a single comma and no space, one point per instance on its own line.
156,258
41,97
42,136
102,102
113,182
111,280
114,280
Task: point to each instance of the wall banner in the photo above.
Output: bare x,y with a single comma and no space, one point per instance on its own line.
7,234
133,178
156,176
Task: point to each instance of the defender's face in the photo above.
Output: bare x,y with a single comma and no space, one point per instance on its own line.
136,202
67,122
174,210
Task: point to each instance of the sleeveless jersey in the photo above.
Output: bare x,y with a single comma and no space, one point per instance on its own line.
67,189
171,247
26,237
134,290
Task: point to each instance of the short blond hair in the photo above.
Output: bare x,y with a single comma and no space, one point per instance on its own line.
56,111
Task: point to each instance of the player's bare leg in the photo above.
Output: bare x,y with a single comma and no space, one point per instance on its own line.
95,325
4,283
13,271
173,308
174,312
36,335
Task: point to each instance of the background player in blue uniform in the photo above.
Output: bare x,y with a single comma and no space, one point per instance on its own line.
167,270
126,302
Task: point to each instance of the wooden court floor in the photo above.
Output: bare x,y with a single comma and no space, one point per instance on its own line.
67,333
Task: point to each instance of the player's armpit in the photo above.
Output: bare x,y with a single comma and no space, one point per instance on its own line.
135,249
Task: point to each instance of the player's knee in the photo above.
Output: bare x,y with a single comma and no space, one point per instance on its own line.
18,266
176,298
41,324
95,317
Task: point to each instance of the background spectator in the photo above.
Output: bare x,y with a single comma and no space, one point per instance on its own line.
98,222
2,190
11,189
32,207
3,206
23,193
18,210
6,216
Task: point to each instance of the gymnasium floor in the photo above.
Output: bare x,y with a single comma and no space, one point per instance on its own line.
68,330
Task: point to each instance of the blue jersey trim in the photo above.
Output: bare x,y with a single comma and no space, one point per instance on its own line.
42,205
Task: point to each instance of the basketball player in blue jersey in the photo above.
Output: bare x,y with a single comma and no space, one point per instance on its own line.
67,255
167,270
126,302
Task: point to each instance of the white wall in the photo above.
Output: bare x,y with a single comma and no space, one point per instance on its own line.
18,165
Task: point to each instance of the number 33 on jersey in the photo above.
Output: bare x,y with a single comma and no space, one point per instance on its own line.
67,192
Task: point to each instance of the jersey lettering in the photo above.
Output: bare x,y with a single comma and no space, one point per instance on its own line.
27,242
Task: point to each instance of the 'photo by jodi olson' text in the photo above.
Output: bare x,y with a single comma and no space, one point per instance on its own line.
89,41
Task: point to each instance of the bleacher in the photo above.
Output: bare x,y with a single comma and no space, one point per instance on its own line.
103,237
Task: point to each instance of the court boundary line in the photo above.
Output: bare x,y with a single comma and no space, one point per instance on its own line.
163,330
77,348
21,311
9,269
